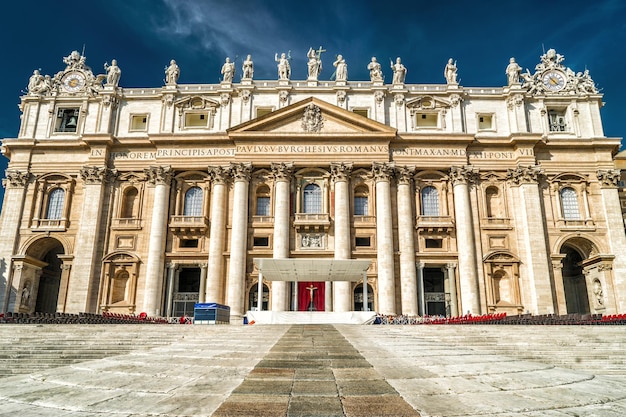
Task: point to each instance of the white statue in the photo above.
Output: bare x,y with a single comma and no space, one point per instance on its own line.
399,71
450,72
25,296
228,71
376,73
314,65
341,74
113,73
284,69
74,60
35,83
172,73
248,68
513,71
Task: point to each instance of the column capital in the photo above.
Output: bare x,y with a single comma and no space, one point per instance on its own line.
404,174
15,178
282,171
524,174
382,171
97,174
159,174
219,174
609,178
451,265
463,175
340,171
241,171
420,265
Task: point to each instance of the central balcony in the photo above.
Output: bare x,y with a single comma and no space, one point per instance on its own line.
312,221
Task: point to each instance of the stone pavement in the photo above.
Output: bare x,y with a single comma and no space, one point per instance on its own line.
313,370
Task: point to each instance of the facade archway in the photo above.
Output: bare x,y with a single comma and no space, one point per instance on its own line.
574,282
253,298
358,298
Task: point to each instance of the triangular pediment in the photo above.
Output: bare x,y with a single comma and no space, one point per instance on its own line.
311,117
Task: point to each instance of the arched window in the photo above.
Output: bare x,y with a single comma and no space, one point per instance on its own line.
361,201
56,198
492,197
430,201
263,201
569,204
193,202
129,202
312,199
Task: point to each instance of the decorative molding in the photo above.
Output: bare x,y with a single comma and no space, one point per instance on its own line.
219,174
383,171
15,178
463,175
159,174
282,171
404,174
241,171
609,178
524,174
312,120
340,171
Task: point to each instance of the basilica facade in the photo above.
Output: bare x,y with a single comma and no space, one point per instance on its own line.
456,199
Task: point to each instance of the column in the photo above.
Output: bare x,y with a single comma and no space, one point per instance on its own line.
219,197
559,288
161,177
454,309
615,232
533,238
384,235
84,282
406,240
12,210
171,277
365,296
238,241
420,288
282,181
203,274
259,294
343,249
470,298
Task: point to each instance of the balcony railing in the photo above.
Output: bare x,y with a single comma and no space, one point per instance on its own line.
50,224
188,224
312,220
126,223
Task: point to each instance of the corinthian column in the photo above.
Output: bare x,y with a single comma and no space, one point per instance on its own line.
406,240
82,290
341,177
12,210
615,230
534,245
468,270
161,177
214,285
238,241
384,238
282,181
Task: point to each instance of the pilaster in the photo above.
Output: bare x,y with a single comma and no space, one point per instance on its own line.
406,240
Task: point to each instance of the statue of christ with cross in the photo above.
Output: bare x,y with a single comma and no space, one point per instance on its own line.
315,62
311,288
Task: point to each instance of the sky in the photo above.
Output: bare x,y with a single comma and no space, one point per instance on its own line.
144,35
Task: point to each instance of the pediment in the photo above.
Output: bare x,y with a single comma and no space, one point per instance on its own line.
311,117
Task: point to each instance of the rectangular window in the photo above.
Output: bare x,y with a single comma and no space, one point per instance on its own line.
139,122
189,243
426,120
363,241
434,244
196,119
485,122
67,120
360,206
261,241
262,111
361,112
262,206
557,121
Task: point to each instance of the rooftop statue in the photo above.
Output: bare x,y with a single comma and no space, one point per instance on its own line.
376,73
75,61
113,73
172,72
284,68
341,74
513,71
37,84
228,71
399,71
314,66
450,72
248,68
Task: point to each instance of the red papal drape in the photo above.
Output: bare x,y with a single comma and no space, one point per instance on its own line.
304,295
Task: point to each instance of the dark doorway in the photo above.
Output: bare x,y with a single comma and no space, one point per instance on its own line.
434,292
50,281
187,292
253,299
574,284
358,298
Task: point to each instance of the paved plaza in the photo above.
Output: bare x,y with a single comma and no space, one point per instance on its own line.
312,370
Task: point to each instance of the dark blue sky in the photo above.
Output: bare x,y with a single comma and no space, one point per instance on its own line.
143,35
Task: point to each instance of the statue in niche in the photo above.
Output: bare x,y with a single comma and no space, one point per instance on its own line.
341,73
228,71
399,71
113,73
598,293
172,72
284,68
376,73
248,68
25,296
314,65
513,72
450,72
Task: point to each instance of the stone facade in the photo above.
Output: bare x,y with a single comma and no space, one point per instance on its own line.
464,199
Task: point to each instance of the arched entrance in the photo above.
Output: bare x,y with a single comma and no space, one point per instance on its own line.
38,275
358,298
253,298
574,283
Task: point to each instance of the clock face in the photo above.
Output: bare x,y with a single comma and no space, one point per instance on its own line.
73,82
554,80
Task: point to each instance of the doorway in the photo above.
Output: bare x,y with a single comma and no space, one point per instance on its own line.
434,292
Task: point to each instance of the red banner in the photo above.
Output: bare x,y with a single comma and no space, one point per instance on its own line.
308,289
